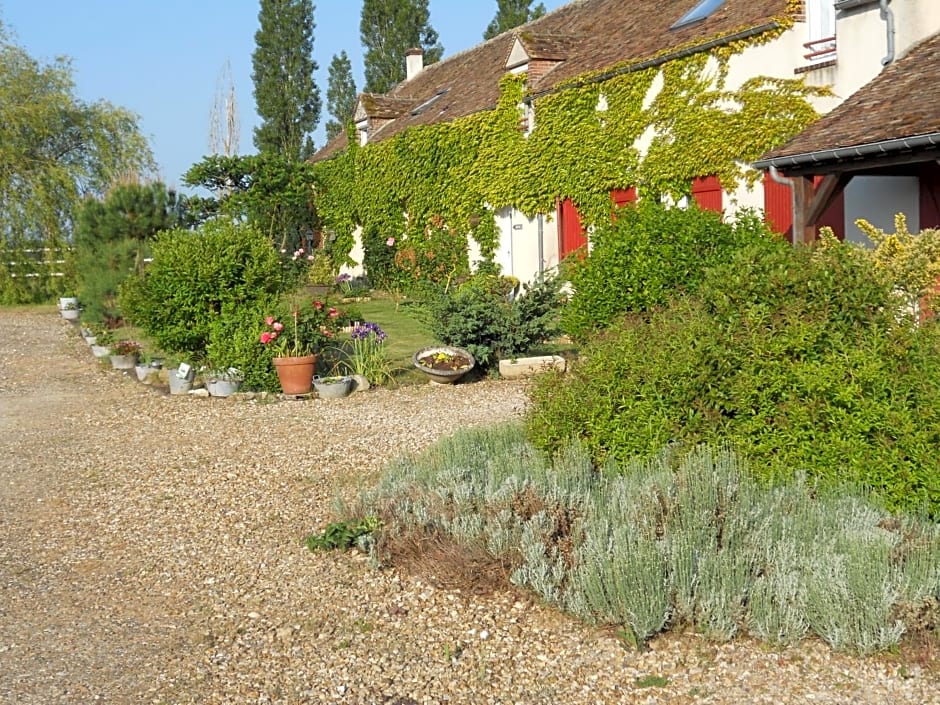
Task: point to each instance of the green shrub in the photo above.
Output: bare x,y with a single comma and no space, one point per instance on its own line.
233,341
647,254
683,539
195,276
799,359
482,317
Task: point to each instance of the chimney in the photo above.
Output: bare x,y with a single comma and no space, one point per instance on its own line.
414,62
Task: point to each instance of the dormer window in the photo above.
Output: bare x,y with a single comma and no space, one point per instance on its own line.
702,11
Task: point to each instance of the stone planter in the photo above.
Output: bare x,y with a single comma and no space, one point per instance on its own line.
521,367
71,314
443,364
100,351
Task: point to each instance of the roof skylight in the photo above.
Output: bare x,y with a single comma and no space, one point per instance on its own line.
701,11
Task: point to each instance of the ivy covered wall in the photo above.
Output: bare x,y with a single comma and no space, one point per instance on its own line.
655,129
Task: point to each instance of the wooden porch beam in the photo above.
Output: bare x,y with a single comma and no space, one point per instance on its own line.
803,231
827,191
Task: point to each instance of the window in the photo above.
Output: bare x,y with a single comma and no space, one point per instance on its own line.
821,29
701,11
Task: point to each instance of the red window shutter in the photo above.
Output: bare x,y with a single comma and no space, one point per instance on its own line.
778,207
706,191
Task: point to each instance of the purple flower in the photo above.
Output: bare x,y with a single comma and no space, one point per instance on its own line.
343,278
363,331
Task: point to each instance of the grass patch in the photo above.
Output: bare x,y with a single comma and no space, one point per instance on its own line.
407,332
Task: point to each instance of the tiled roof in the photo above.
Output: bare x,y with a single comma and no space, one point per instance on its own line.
610,32
902,102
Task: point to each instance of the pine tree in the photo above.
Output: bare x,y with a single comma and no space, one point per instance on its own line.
389,28
287,99
340,94
511,14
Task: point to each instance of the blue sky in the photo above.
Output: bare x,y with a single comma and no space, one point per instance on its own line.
162,59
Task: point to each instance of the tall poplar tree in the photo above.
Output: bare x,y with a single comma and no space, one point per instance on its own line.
511,14
389,28
340,94
287,99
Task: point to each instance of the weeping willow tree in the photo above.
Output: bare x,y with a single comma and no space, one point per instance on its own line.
55,150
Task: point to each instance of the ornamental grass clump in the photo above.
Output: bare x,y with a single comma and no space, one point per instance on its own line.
685,538
366,354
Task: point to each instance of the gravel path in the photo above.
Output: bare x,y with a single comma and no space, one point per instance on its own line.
151,552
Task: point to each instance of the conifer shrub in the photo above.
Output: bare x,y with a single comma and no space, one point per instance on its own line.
800,359
482,316
646,255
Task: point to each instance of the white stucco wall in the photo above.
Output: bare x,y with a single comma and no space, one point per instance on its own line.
878,199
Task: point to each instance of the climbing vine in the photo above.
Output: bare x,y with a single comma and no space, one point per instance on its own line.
583,145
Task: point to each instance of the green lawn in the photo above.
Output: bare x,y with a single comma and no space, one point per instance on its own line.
406,332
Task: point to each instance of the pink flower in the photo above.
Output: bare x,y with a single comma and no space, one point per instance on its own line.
269,320
310,258
318,305
278,326
333,313
266,338
390,242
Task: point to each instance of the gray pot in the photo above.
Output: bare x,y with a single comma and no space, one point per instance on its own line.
333,387
180,385
222,387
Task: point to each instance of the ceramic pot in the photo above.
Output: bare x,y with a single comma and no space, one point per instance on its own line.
295,373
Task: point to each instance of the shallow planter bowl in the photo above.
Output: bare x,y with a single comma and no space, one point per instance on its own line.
443,371
521,367
222,387
333,387
100,350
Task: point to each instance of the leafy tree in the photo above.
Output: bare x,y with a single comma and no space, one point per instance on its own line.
55,149
389,28
511,14
287,98
340,94
112,239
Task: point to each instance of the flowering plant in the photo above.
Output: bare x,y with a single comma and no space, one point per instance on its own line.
125,347
308,328
367,355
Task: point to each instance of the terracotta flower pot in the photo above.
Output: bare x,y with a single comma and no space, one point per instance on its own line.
295,373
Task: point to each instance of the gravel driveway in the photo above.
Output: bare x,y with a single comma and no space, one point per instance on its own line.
151,552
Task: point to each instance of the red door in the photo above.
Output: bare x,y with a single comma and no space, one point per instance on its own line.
571,235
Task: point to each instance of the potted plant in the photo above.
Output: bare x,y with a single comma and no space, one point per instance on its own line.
223,382
181,378
101,348
294,355
444,364
124,354
333,387
70,310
